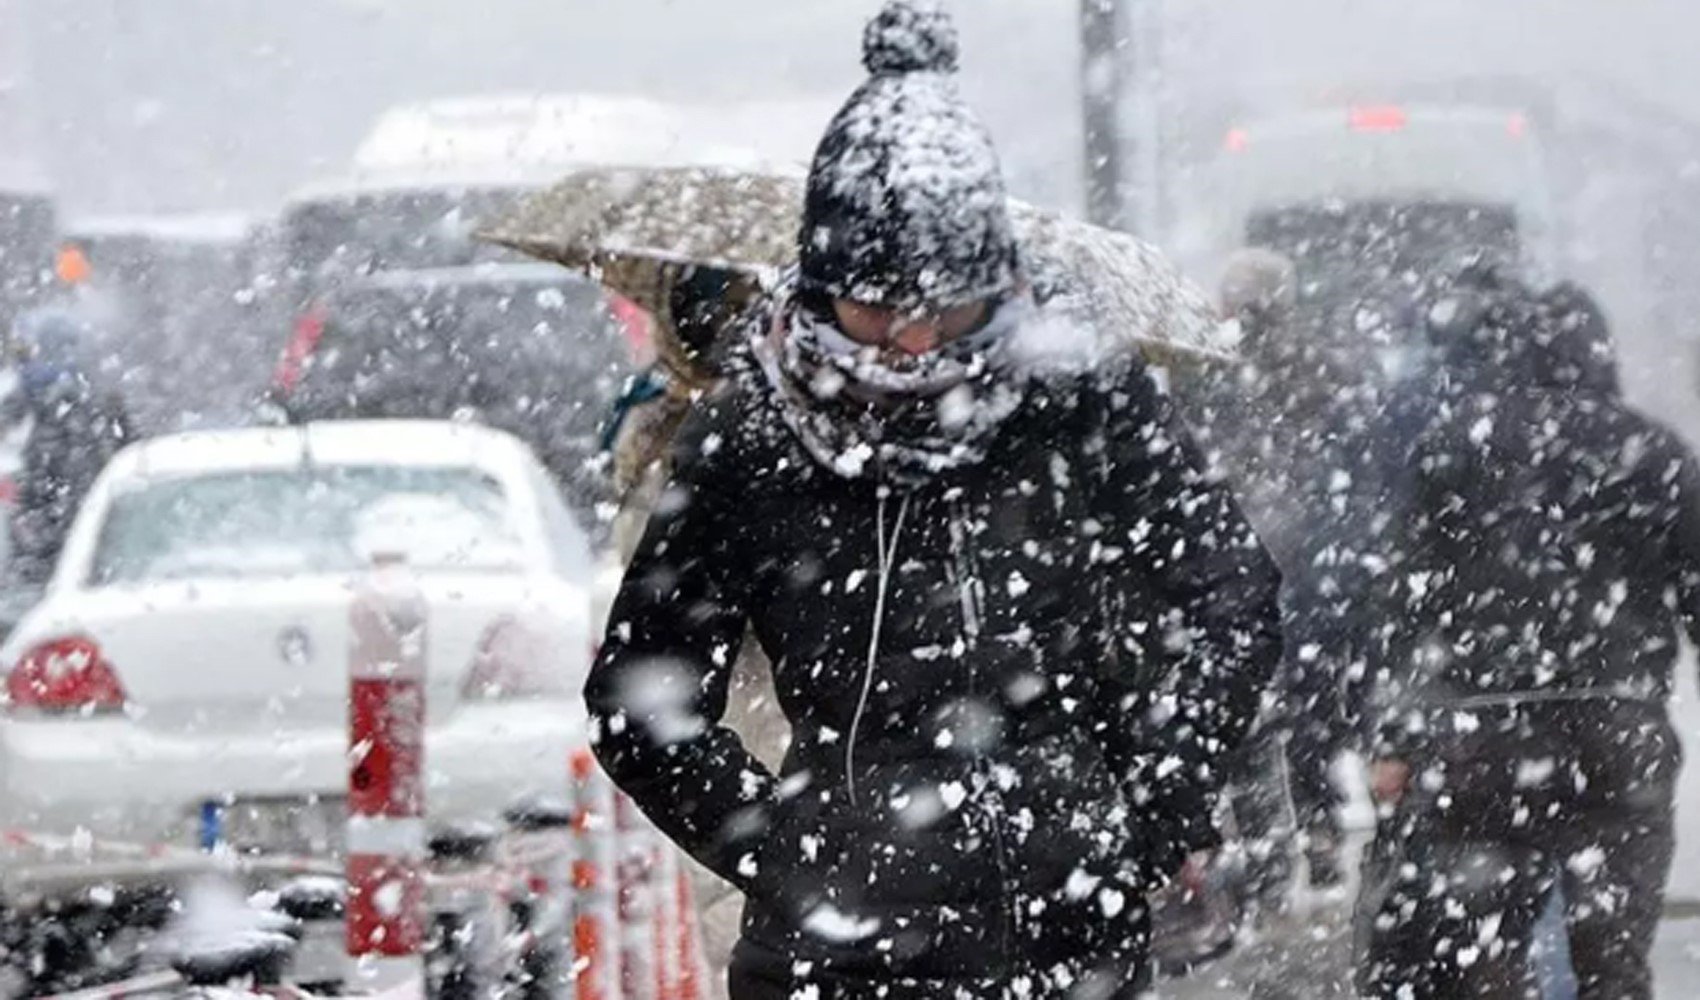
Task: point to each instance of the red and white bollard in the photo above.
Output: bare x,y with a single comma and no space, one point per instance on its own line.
386,781
596,916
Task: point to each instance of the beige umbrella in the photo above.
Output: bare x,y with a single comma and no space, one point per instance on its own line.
638,230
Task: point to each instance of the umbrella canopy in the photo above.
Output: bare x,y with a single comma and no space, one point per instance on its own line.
641,230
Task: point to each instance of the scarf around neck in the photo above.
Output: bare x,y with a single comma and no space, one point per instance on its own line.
864,418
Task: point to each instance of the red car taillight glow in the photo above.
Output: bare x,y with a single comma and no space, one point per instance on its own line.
303,342
635,323
63,677
1378,118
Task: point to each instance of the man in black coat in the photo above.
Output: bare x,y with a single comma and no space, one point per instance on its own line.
1552,560
1016,631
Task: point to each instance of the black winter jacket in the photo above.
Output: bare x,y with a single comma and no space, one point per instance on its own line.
1010,689
1552,555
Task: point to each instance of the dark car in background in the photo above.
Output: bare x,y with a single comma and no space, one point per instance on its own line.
528,348
386,258
178,311
332,236
333,233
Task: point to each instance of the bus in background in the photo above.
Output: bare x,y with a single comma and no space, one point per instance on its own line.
1371,202
427,175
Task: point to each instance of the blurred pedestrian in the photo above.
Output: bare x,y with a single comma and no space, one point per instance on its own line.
1550,563
1289,420
1014,626
75,428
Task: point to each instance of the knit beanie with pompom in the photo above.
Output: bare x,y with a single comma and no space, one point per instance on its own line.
906,204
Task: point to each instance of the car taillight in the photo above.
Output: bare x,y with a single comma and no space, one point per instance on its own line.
1378,118
65,676
634,321
303,342
513,662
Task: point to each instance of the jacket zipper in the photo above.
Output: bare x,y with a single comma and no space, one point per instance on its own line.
989,797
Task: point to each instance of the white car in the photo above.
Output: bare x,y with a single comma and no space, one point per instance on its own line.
187,667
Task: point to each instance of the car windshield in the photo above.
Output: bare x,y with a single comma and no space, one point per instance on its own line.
244,525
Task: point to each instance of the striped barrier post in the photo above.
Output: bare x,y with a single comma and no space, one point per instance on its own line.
386,919
596,923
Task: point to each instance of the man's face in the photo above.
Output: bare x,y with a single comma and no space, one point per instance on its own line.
908,333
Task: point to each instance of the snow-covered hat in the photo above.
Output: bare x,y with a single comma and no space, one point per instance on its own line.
906,205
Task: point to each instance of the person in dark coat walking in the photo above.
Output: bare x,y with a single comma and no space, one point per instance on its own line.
76,429
1014,627
1552,560
1292,425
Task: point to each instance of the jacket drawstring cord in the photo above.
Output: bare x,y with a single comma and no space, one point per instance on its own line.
887,555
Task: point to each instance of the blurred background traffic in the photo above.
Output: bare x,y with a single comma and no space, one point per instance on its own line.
232,216
1577,114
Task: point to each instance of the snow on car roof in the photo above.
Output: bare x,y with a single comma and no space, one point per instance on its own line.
533,140
419,443
564,130
192,228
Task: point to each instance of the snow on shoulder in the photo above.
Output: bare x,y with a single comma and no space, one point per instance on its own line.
1052,343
